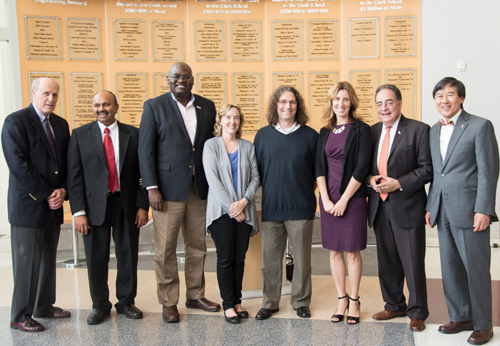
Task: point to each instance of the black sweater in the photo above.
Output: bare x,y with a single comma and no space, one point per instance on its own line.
286,167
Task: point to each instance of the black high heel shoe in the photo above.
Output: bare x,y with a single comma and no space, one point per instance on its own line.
339,317
351,320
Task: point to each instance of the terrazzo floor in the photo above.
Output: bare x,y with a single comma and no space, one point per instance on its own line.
203,328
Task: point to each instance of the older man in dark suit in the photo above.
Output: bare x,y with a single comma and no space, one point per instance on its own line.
35,145
401,166
462,202
105,192
174,128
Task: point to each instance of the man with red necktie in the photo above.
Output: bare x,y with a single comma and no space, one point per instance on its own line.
105,192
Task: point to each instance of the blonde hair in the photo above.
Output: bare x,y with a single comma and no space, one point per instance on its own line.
329,116
223,112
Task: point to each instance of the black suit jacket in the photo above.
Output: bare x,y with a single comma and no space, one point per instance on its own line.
356,160
166,154
410,163
88,173
34,173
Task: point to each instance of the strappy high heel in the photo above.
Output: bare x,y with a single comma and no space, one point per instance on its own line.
351,319
339,317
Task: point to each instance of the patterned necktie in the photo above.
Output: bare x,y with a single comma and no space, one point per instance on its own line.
50,137
445,122
110,160
382,162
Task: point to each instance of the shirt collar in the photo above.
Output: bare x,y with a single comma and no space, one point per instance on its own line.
190,101
40,114
111,127
294,127
455,117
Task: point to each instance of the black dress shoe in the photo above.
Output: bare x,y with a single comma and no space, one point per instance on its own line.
30,325
242,314
264,313
232,319
303,312
131,311
97,316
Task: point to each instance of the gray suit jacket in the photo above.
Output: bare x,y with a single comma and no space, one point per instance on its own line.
221,192
467,179
410,163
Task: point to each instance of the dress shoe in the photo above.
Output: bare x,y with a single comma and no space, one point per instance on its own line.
131,311
480,337
232,319
456,327
387,315
97,316
55,312
264,313
202,304
30,325
170,314
242,314
417,325
303,312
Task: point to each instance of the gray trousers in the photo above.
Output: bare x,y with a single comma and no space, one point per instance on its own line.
465,266
274,235
34,253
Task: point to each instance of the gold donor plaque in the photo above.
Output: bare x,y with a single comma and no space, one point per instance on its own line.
167,41
366,83
363,38
400,36
210,40
287,40
83,39
43,37
130,39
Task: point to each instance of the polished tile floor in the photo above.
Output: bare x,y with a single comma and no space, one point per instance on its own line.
201,328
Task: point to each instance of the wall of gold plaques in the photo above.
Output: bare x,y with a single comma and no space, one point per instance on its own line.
240,51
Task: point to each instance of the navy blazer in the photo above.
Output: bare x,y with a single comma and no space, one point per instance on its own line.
88,173
166,154
356,160
34,172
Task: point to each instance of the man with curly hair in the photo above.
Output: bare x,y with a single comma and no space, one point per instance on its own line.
286,154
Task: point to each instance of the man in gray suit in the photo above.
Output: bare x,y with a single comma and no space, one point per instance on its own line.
462,202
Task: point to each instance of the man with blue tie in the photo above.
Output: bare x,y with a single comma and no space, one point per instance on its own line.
35,145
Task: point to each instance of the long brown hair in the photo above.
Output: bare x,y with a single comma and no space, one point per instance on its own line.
329,116
301,116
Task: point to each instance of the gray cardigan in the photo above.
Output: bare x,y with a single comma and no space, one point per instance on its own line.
221,192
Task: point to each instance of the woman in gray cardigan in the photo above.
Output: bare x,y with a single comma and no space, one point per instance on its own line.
233,178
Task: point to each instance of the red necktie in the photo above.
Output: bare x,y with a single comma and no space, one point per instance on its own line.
110,160
382,162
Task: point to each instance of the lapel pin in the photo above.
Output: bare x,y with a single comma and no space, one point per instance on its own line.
462,126
399,132
198,107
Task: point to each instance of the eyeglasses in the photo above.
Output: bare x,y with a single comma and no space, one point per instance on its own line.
284,103
186,77
388,104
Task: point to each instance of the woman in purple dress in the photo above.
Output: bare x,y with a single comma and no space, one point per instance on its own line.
342,165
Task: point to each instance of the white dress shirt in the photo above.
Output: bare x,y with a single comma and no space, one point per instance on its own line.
445,135
392,134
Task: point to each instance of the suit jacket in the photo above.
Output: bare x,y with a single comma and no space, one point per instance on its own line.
221,193
166,154
34,172
467,179
356,160
410,163
88,173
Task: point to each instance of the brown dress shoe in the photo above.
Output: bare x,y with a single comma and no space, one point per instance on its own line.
388,314
456,327
202,304
30,325
480,337
55,312
417,325
170,314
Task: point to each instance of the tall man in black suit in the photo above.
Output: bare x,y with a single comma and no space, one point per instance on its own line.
401,166
105,192
35,145
173,130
